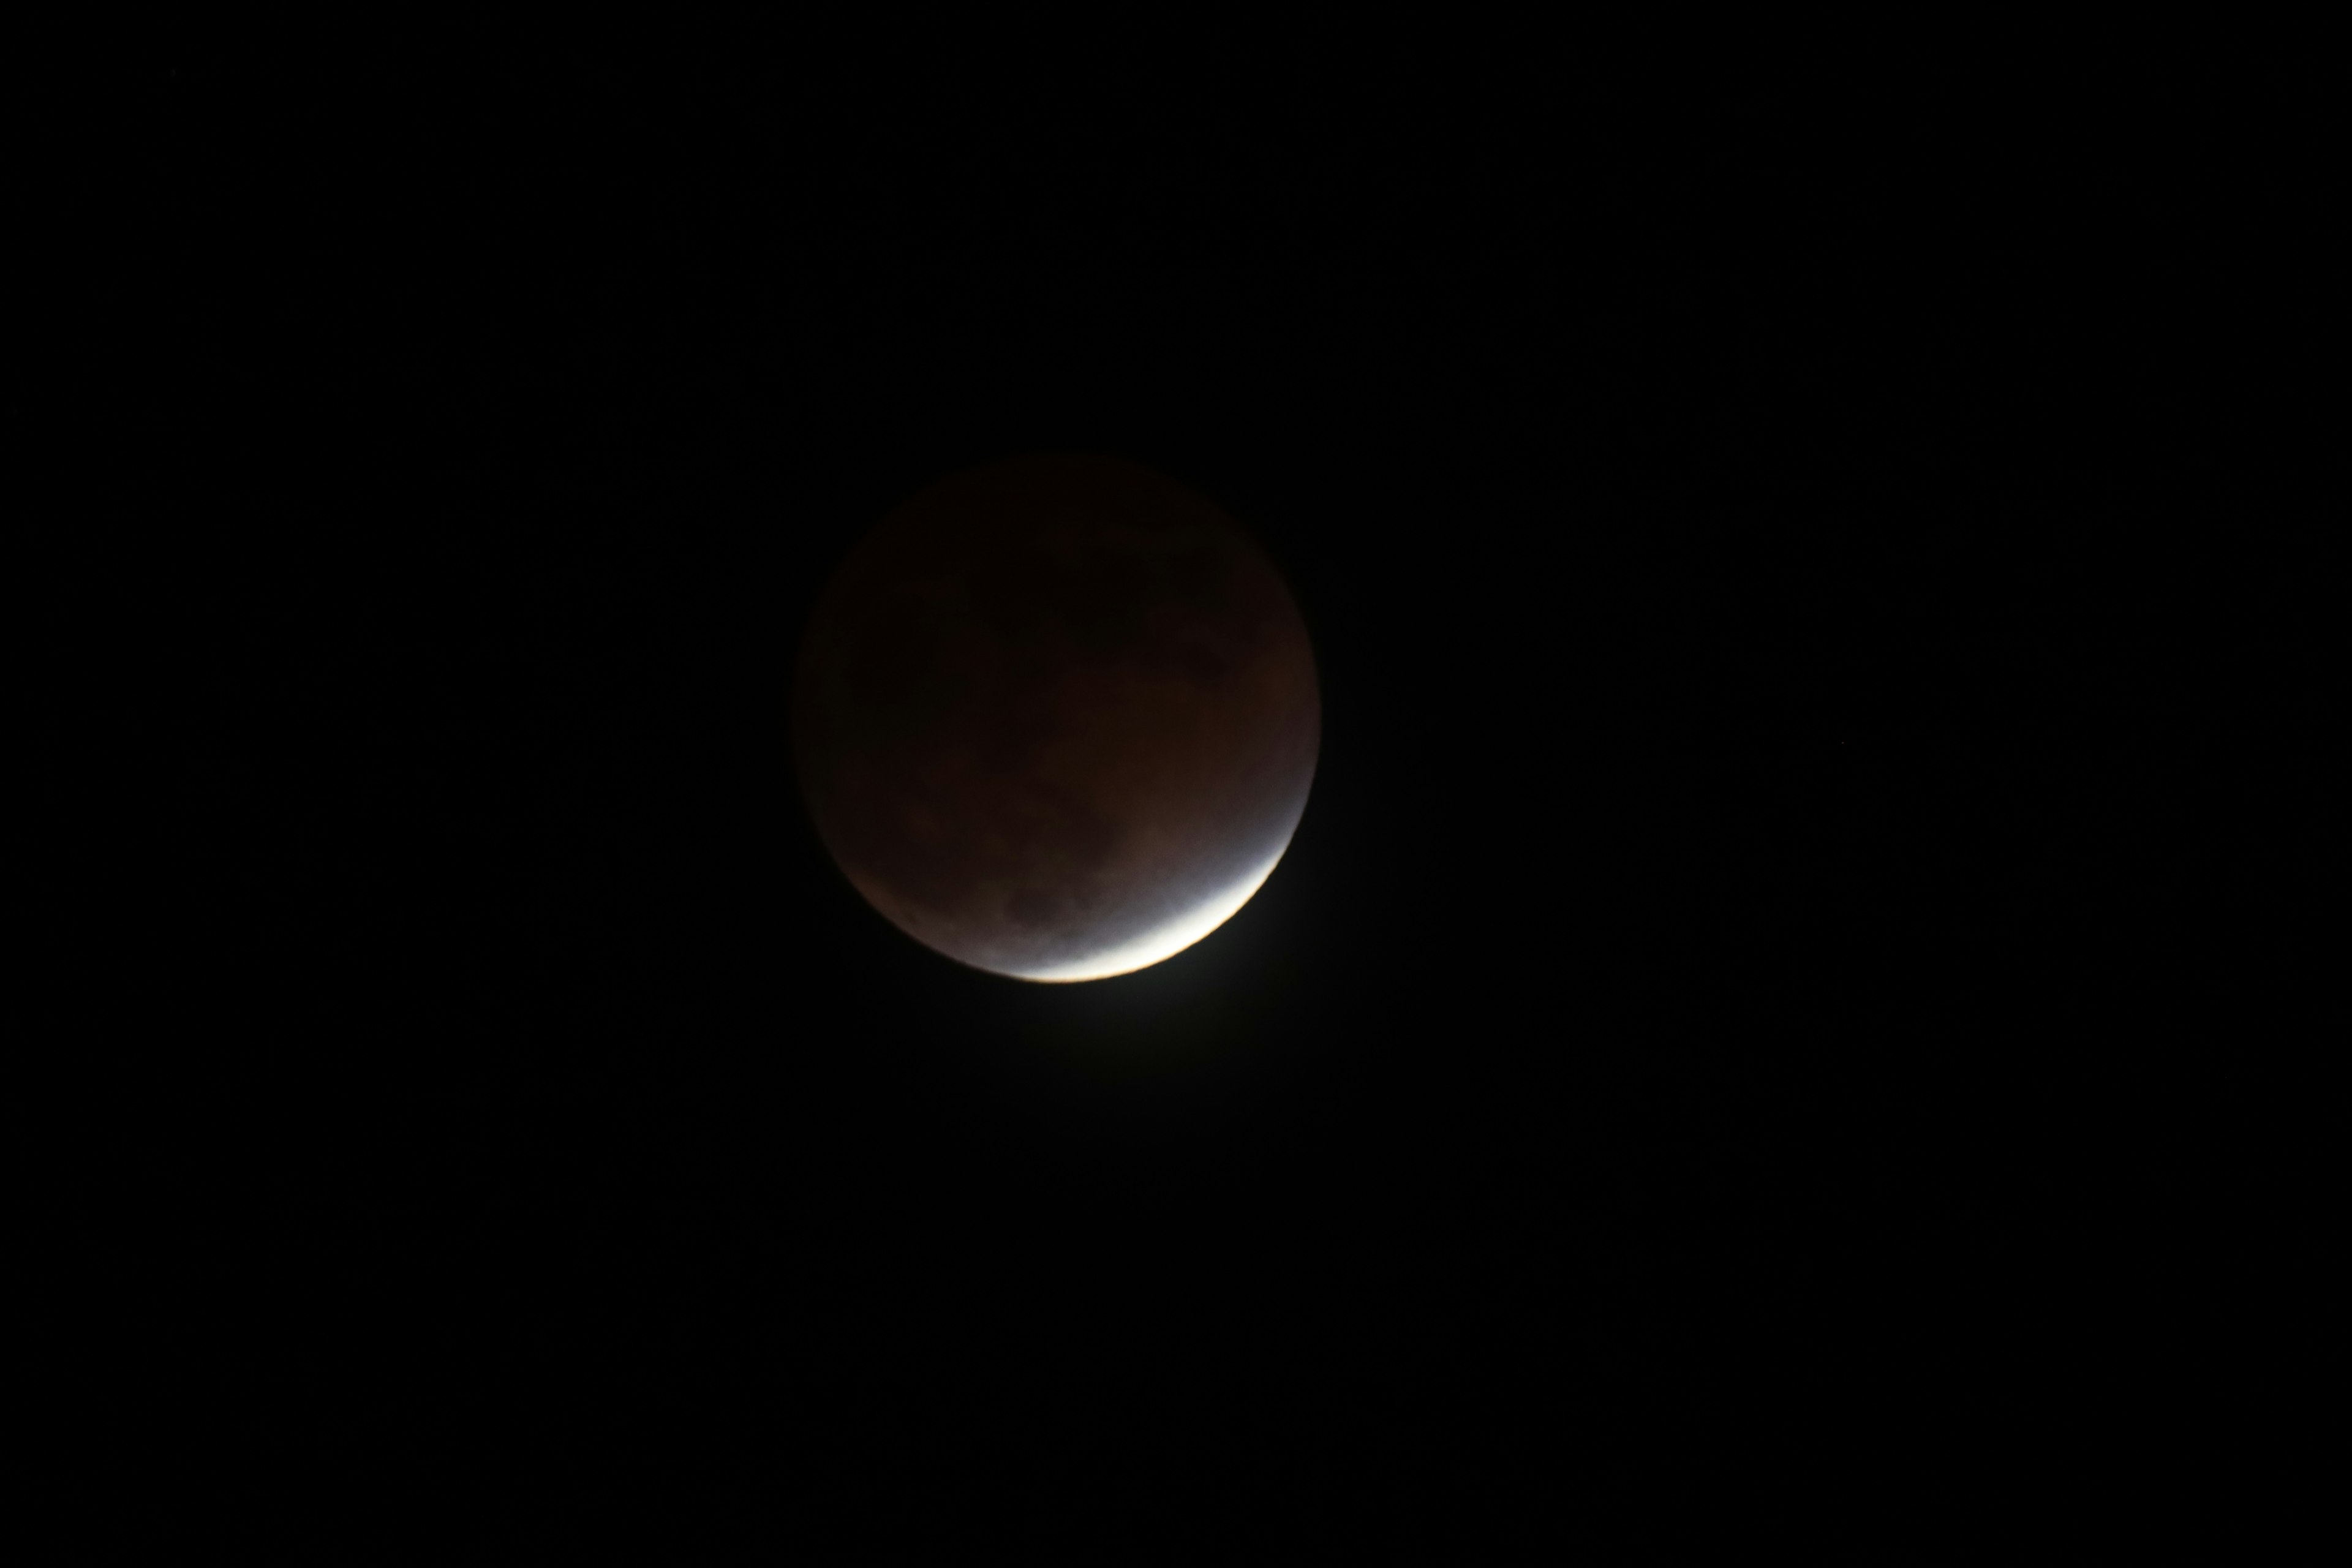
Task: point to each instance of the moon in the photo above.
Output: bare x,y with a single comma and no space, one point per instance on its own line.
1056,717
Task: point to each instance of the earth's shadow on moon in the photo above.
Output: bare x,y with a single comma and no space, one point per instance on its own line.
1057,717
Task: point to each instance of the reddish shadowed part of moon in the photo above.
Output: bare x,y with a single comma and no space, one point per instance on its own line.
1057,717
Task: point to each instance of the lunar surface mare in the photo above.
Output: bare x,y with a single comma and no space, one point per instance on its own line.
1056,717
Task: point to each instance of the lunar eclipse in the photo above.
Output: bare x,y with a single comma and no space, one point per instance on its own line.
1056,717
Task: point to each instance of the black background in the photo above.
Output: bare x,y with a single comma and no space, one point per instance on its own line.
1802,640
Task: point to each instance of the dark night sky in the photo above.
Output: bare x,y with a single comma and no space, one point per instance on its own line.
1750,931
